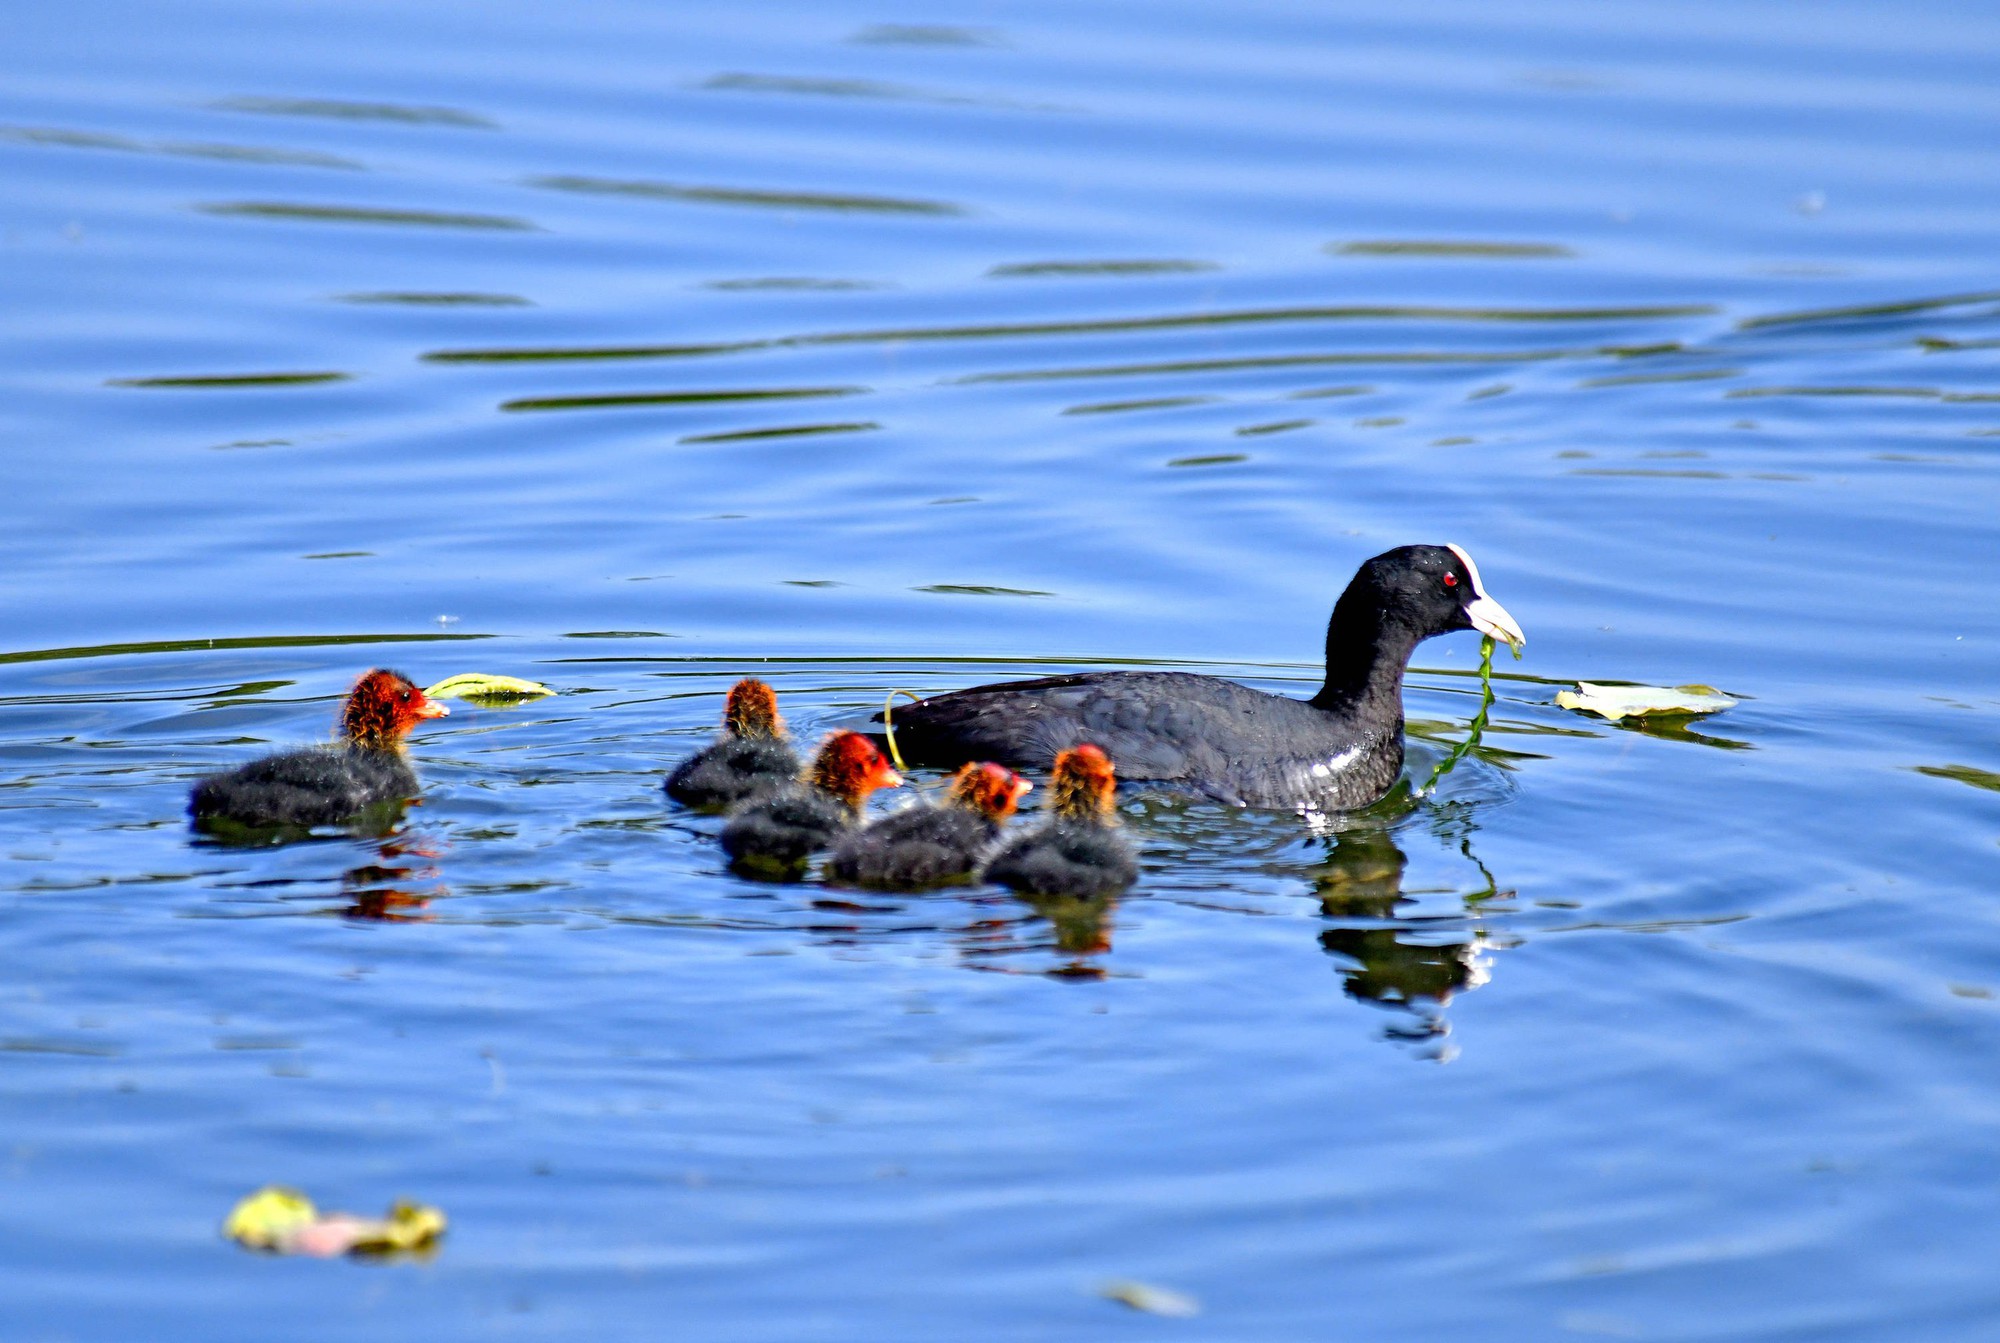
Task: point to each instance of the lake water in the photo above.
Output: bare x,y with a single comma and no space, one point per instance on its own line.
634,348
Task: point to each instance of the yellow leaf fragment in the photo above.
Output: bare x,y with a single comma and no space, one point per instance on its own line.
284,1221
483,685
270,1218
1642,701
409,1226
1153,1300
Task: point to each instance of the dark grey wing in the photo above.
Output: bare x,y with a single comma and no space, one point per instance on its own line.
1018,723
1153,725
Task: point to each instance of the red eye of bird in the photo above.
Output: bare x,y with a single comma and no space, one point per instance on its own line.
1451,580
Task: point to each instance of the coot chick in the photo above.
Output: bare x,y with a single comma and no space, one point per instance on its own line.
777,831
930,846
1341,749
750,756
1076,852
325,785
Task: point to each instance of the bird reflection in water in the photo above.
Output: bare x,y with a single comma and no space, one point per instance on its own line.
383,891
1082,929
1412,965
1005,928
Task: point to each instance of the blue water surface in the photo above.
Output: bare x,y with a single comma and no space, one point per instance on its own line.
634,348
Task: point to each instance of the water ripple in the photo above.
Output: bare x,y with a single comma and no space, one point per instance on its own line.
264,154
609,400
835,201
357,214
338,109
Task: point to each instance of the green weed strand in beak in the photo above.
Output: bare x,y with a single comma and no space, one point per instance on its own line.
1478,725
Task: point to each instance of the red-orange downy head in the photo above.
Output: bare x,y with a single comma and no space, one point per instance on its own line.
752,710
1084,786
848,766
382,708
991,790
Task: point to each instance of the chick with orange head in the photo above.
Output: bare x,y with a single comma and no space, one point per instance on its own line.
927,846
749,757
776,831
1077,851
326,785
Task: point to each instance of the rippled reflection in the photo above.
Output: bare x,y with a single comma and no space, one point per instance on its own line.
378,819
1412,965
1076,930
396,889
1063,937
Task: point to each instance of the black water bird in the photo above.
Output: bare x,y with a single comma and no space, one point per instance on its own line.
1339,750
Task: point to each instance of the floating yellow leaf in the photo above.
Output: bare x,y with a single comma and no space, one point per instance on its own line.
1153,1300
284,1221
1642,701
270,1218
480,685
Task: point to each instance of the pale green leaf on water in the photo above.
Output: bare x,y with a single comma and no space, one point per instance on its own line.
482,686
1153,1300
284,1221
1642,701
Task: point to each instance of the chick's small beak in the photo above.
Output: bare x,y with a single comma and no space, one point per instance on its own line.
889,778
430,708
1490,618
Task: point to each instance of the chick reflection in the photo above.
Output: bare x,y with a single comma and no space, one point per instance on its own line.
1061,936
1082,929
1362,879
380,891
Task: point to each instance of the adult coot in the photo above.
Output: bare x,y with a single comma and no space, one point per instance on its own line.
325,785
1077,851
751,754
776,831
1341,749
930,846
